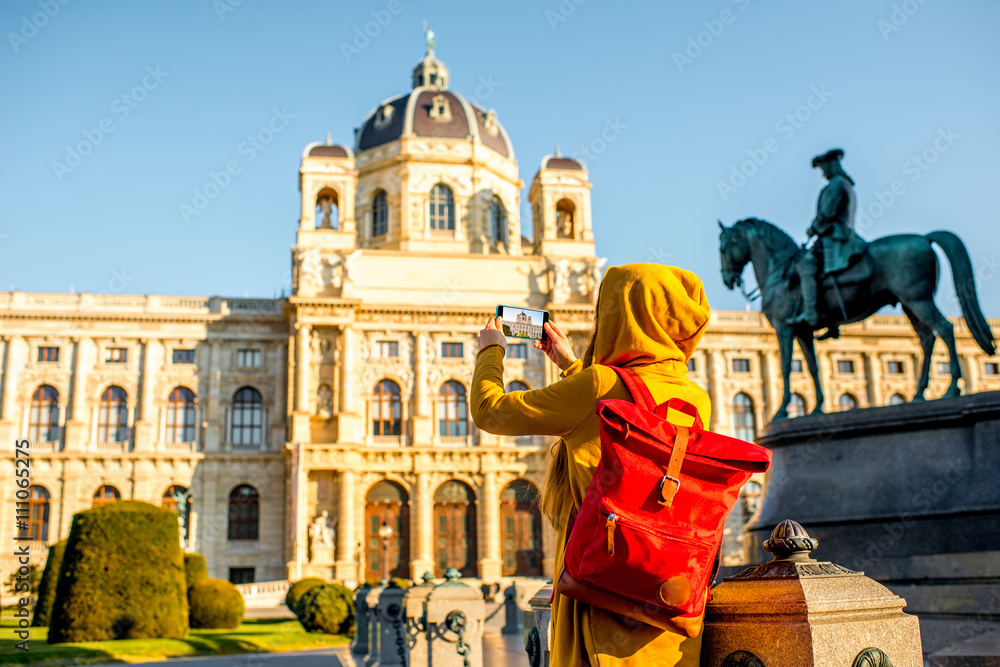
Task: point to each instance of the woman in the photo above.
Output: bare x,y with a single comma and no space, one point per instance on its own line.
649,318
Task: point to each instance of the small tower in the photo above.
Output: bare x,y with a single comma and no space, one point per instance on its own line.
328,181
430,72
560,207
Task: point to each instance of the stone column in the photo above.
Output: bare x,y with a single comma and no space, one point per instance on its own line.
773,383
346,568
422,425
424,511
297,528
145,425
970,371
873,373
826,379
302,332
347,353
76,435
11,366
716,371
489,565
214,428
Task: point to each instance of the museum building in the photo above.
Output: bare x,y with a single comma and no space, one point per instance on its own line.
328,433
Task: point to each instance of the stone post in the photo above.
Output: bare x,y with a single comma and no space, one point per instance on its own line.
797,612
421,420
11,367
513,614
424,511
455,618
76,436
146,433
415,608
359,645
346,565
489,566
392,627
536,627
371,602
873,371
716,371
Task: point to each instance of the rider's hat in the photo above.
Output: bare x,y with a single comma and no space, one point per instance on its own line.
832,155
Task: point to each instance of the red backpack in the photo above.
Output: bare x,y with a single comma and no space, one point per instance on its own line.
645,539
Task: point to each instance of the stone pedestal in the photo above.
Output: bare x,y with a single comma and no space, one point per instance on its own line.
798,612
513,614
455,619
359,645
536,627
371,601
906,493
392,627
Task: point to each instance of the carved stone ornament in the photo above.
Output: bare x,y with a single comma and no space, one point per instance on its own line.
791,544
872,657
742,659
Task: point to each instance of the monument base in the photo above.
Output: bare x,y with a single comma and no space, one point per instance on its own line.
909,494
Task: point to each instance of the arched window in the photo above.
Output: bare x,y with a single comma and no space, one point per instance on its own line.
796,406
43,420
455,536
244,513
896,399
565,217
442,214
498,220
112,417
454,410
521,530
248,417
387,409
380,214
516,385
744,424
181,415
847,402
169,502
327,209
38,514
106,494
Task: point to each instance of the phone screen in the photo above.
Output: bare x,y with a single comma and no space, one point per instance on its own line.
521,322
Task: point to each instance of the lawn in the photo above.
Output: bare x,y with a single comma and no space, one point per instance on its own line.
253,635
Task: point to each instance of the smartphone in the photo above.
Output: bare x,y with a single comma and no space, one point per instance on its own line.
521,322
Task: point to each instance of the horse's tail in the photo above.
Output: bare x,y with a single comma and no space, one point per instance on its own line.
965,288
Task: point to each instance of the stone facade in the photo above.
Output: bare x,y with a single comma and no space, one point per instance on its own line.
350,396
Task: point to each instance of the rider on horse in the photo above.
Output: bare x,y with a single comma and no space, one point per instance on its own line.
836,242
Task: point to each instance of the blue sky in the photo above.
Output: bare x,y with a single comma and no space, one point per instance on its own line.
667,98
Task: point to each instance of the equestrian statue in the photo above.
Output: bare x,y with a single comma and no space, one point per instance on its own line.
842,279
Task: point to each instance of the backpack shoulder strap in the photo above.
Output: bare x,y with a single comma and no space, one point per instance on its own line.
636,387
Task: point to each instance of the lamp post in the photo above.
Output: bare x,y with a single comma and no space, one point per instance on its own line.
385,532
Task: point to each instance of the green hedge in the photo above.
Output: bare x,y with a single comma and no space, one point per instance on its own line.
215,603
195,569
47,586
298,589
122,576
328,608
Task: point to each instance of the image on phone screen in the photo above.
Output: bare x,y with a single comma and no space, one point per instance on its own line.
519,322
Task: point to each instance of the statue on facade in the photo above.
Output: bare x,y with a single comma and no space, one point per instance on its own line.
320,535
855,281
181,498
324,401
429,38
326,206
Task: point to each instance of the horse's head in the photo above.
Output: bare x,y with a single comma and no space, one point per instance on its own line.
734,252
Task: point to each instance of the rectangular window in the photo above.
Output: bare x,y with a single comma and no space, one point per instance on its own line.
692,366
796,365
741,365
241,575
386,348
117,355
845,366
451,350
183,356
48,354
992,368
248,358
943,368
895,368
517,350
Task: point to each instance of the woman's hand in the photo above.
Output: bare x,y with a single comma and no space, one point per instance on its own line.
557,347
493,334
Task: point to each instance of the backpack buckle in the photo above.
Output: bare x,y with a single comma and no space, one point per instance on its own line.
667,494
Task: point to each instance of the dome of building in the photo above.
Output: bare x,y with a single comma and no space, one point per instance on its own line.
559,162
431,110
325,150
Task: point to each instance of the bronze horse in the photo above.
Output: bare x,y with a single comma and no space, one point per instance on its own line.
898,269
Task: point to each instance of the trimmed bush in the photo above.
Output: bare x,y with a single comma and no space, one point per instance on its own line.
328,608
122,576
215,603
298,589
47,586
195,569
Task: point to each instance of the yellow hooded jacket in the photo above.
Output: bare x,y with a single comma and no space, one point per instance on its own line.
649,318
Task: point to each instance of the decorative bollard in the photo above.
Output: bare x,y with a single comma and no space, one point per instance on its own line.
391,622
513,614
415,608
373,632
359,645
797,612
455,619
536,627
